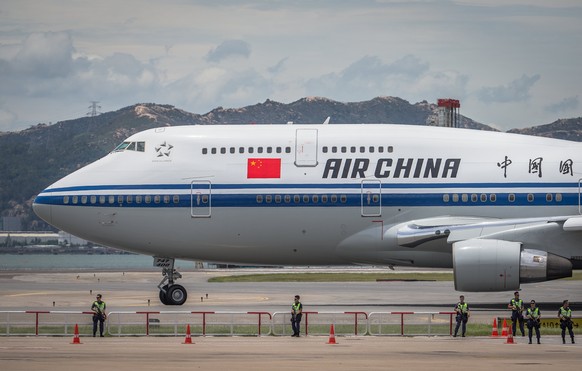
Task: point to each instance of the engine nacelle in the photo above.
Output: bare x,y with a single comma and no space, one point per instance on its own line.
481,265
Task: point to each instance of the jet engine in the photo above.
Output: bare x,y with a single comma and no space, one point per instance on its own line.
498,265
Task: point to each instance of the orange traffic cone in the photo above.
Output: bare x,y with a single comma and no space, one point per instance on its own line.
76,339
188,339
510,337
331,336
494,331
504,329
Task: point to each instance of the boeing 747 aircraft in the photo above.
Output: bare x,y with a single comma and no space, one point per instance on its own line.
500,209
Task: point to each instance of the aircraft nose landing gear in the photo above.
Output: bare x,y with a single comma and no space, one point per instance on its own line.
170,293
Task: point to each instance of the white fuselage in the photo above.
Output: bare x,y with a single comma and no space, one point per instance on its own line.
309,194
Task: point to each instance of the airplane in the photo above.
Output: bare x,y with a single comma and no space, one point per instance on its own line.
499,209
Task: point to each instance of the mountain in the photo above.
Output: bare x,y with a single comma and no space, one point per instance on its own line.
36,157
569,129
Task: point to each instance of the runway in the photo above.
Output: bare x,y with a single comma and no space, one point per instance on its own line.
133,290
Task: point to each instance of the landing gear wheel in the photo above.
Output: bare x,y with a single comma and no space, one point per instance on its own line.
176,295
170,293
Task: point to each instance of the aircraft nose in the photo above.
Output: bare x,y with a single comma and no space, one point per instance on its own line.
43,211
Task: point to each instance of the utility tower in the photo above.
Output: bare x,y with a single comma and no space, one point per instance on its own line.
448,112
94,107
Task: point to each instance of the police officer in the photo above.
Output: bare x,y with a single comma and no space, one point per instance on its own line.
99,315
534,318
565,316
463,314
296,314
516,306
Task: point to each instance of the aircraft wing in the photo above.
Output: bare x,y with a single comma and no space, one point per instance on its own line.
498,254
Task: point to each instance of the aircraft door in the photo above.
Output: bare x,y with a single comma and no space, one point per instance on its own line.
371,197
200,199
306,147
579,196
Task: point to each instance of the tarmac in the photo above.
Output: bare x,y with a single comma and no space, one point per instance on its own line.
137,291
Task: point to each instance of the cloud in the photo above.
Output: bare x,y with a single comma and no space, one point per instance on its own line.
229,48
408,77
516,91
565,105
45,55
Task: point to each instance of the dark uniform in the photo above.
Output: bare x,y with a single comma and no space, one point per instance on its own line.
516,306
565,316
462,310
533,320
99,315
296,314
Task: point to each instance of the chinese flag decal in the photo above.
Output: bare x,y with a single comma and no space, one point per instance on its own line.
263,168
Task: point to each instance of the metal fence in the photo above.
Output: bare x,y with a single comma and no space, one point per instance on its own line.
215,323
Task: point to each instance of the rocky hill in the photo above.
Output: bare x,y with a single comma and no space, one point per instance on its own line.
34,158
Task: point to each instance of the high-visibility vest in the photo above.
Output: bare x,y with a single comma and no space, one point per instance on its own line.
535,313
296,307
517,303
566,312
463,307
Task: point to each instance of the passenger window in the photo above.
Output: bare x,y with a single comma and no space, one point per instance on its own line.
287,199
315,199
213,151
343,199
259,199
324,199
166,199
232,150
446,198
344,149
260,150
483,197
362,149
558,197
305,199
148,199
334,149
93,200
279,150
455,197
269,149
324,149
371,149
83,200
119,199
268,199
111,199
549,197
138,199
296,199
473,197
204,151
530,197
223,150
66,200
129,199
278,199
251,150
75,200
101,200
353,149
334,198
176,199
287,149
380,149
492,197
465,197
511,197
390,149
241,149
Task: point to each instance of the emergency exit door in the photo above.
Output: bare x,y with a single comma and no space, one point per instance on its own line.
306,147
371,197
200,199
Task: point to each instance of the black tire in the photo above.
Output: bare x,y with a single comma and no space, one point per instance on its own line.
176,295
163,295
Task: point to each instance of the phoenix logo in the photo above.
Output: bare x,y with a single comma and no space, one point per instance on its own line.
164,150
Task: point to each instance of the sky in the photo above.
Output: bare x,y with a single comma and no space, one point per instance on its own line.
511,63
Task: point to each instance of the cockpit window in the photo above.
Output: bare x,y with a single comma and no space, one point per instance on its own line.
130,146
121,147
